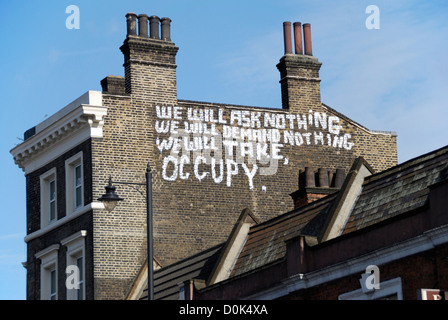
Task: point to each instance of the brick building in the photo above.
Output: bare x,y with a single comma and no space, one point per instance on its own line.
209,161
395,226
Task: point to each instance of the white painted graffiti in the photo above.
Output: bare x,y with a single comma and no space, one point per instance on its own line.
217,143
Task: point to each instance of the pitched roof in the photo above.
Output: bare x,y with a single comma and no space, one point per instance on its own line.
167,279
266,241
400,189
383,195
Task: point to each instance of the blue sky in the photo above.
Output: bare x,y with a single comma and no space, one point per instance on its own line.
392,79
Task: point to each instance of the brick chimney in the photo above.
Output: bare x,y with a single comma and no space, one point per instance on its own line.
113,85
299,71
150,59
316,184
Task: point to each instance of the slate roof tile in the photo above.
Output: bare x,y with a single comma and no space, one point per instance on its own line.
400,189
266,241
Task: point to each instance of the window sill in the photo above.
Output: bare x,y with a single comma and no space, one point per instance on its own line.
78,212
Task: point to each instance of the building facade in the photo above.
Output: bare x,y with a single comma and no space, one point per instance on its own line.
209,161
392,244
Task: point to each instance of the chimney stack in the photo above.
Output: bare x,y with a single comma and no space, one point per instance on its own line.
299,71
314,185
149,59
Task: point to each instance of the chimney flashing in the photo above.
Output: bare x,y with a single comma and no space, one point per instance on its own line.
147,53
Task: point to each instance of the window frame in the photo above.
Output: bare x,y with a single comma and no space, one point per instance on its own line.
52,200
75,245
71,185
53,285
80,293
78,185
45,197
48,267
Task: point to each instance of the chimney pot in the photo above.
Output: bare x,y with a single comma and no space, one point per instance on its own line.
339,178
307,39
298,37
143,26
323,178
131,20
316,185
301,183
166,29
287,36
154,27
310,178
